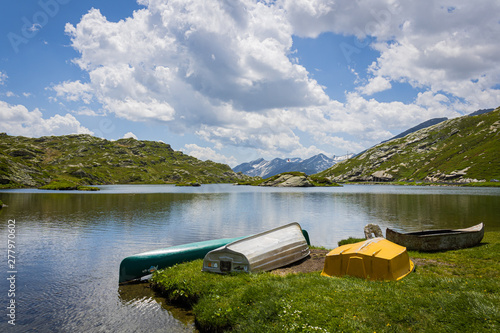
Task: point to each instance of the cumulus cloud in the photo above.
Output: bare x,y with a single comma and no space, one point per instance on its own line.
18,120
207,153
225,70
191,57
194,65
375,85
129,135
434,45
74,91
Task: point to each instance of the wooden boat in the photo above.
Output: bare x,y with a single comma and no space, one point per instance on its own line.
373,259
261,252
438,240
140,266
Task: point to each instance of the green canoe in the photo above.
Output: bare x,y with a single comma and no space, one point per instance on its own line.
138,266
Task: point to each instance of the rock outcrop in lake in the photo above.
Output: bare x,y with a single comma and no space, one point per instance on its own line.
460,150
293,179
288,180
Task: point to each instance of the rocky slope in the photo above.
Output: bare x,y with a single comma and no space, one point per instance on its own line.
288,180
464,149
84,159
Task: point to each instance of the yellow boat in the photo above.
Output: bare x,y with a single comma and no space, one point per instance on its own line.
373,259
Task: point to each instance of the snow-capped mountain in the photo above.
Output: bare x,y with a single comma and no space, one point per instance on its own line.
265,169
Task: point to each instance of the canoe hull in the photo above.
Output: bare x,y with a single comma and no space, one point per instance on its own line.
143,264
262,252
438,240
137,266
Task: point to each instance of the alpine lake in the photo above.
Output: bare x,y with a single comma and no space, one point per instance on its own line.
68,245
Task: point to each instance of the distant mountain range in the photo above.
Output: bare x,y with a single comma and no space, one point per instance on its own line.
266,169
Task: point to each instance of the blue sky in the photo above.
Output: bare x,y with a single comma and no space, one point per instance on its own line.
233,81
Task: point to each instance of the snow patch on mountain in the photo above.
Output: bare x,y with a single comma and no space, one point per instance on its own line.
312,165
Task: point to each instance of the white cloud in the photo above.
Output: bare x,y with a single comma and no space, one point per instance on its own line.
85,111
185,62
360,18
206,153
226,70
74,91
129,135
435,45
18,120
375,85
3,78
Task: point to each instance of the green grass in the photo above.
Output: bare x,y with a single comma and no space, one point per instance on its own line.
350,240
454,291
67,185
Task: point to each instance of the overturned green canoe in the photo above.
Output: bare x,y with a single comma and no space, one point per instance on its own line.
138,266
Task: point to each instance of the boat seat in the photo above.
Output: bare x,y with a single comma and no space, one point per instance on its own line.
373,231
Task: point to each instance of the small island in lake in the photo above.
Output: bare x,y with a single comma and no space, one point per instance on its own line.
292,179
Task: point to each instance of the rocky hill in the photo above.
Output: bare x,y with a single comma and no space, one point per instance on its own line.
423,125
464,149
84,159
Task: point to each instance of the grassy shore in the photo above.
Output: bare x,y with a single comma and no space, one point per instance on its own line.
67,185
454,291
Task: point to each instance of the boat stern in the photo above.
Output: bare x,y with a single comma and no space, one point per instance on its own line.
225,261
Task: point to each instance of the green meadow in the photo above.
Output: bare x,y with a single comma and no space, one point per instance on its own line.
454,291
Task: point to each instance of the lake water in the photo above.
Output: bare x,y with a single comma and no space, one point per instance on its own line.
68,245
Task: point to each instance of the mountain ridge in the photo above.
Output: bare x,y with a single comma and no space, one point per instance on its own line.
265,169
460,150
86,160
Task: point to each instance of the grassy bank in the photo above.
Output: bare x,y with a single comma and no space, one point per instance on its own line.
67,185
450,291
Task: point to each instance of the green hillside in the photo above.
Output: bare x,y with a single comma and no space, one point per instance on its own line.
87,160
460,150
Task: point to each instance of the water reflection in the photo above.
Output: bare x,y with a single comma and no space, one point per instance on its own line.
141,297
70,244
